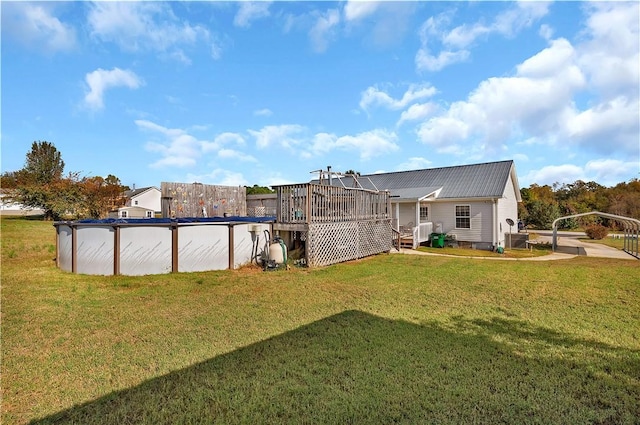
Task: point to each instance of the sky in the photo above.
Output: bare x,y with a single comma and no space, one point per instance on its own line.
266,93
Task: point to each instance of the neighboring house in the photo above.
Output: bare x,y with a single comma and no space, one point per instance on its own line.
10,207
132,212
146,197
470,203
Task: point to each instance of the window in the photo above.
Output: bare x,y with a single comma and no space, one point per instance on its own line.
135,202
149,214
123,214
424,213
463,217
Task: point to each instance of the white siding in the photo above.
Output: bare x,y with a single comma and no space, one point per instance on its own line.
149,199
507,208
481,213
134,212
407,214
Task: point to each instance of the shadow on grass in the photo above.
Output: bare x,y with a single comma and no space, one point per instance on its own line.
355,367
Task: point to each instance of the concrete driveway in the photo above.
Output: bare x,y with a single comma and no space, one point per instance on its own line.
569,243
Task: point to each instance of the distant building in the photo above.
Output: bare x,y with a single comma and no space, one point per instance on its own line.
146,197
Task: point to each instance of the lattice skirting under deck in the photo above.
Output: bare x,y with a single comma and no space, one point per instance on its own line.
330,243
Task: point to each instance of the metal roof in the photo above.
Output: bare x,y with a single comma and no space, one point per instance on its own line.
486,180
413,193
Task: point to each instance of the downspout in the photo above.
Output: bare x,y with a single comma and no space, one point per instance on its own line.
496,223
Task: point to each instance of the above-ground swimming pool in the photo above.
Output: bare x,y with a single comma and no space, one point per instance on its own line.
155,246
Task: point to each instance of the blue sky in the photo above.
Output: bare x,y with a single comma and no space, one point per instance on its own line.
243,93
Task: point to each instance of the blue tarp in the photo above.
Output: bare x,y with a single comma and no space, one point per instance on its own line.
176,220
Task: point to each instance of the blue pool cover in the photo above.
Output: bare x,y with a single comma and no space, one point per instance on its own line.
177,220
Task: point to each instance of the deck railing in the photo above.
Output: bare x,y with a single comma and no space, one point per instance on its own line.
313,203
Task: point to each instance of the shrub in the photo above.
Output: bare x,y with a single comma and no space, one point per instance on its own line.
596,231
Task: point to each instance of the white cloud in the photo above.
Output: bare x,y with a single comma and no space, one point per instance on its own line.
101,80
546,32
251,11
522,16
139,26
34,25
607,172
219,177
416,112
356,9
286,136
456,42
559,55
507,23
566,173
265,112
414,163
324,30
221,140
610,172
373,96
230,138
609,126
427,61
235,155
464,35
611,53
537,101
520,157
369,144
178,148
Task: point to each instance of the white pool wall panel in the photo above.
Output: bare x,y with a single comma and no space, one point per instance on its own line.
64,248
202,248
95,250
145,250
243,241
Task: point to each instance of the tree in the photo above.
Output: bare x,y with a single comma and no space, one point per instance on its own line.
40,184
258,190
44,163
99,195
542,214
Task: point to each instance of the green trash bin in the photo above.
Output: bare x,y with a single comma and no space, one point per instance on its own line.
437,240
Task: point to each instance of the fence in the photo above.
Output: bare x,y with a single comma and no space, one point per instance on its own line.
262,205
202,200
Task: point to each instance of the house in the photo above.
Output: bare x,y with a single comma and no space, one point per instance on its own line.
132,212
148,198
468,203
10,207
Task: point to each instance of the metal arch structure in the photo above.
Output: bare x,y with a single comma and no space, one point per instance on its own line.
631,230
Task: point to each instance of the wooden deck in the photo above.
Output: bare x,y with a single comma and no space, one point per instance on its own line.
339,224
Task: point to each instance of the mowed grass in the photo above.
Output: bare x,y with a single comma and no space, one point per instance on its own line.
389,339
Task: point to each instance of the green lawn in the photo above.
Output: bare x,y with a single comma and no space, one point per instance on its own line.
609,241
390,339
